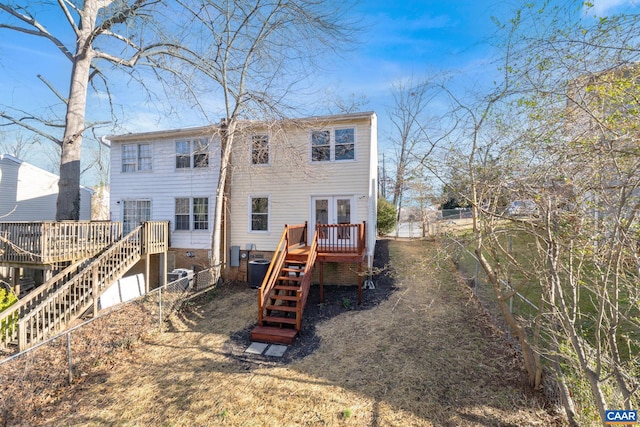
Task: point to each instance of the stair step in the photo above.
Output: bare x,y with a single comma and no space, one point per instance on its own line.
291,262
283,308
290,278
293,270
273,335
287,288
277,319
284,297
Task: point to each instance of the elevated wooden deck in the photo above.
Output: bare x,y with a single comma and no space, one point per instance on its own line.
355,255
284,291
47,243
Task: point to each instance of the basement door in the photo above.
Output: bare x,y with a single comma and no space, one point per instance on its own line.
332,210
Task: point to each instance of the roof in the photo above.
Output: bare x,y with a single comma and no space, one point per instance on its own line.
215,128
22,163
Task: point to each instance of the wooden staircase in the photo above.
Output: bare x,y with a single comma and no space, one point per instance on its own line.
284,291
51,307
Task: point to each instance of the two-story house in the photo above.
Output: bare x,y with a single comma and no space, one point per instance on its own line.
318,170
311,170
172,176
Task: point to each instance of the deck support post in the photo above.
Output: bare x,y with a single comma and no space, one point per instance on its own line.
147,270
360,282
321,276
94,284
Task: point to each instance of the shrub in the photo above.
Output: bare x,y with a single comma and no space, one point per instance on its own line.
7,299
386,216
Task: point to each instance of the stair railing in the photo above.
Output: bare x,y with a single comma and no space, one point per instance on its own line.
9,317
74,298
305,285
270,278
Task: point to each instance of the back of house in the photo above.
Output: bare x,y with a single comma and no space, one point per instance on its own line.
318,170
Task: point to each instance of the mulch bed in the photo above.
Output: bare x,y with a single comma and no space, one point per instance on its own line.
337,300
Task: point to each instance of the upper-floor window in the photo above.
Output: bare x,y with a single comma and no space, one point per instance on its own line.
192,153
260,149
136,157
329,146
321,146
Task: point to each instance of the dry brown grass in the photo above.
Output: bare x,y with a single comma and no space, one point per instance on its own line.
425,356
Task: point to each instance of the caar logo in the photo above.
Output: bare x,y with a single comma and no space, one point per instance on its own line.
621,417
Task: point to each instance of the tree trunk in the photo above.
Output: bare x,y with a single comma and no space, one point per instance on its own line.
68,203
226,142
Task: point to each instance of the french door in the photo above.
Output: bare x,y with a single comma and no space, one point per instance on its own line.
332,210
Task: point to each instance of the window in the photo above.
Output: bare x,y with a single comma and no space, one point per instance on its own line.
192,154
200,213
260,149
183,155
321,146
134,212
182,214
188,210
345,144
341,147
136,158
259,214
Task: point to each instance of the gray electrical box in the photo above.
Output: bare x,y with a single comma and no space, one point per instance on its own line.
235,256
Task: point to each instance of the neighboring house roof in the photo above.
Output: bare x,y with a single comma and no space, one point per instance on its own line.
34,200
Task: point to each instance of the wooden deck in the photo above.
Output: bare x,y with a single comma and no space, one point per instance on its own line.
347,255
47,243
285,288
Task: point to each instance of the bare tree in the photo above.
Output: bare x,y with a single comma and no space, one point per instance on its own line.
17,144
408,116
255,53
119,33
573,139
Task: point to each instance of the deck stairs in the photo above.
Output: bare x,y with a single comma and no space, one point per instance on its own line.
53,306
284,291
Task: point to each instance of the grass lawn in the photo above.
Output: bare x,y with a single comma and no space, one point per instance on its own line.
425,355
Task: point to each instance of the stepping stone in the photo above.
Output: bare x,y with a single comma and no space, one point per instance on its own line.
256,348
276,350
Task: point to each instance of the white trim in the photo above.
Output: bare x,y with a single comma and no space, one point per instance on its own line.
250,213
332,144
353,198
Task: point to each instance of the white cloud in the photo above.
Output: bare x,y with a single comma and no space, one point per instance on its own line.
603,7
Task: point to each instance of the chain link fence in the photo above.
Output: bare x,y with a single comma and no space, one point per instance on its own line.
30,378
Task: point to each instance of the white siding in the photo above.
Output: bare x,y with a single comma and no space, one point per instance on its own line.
28,193
164,184
292,179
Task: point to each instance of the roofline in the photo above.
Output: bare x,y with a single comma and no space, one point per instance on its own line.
214,128
29,165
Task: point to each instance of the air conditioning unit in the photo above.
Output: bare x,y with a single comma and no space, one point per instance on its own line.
180,277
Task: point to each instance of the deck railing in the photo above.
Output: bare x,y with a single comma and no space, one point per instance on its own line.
50,242
341,238
155,237
296,235
71,300
50,307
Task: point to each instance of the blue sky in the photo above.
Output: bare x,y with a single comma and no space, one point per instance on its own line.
399,40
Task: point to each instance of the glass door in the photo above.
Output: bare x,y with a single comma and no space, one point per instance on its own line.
332,211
